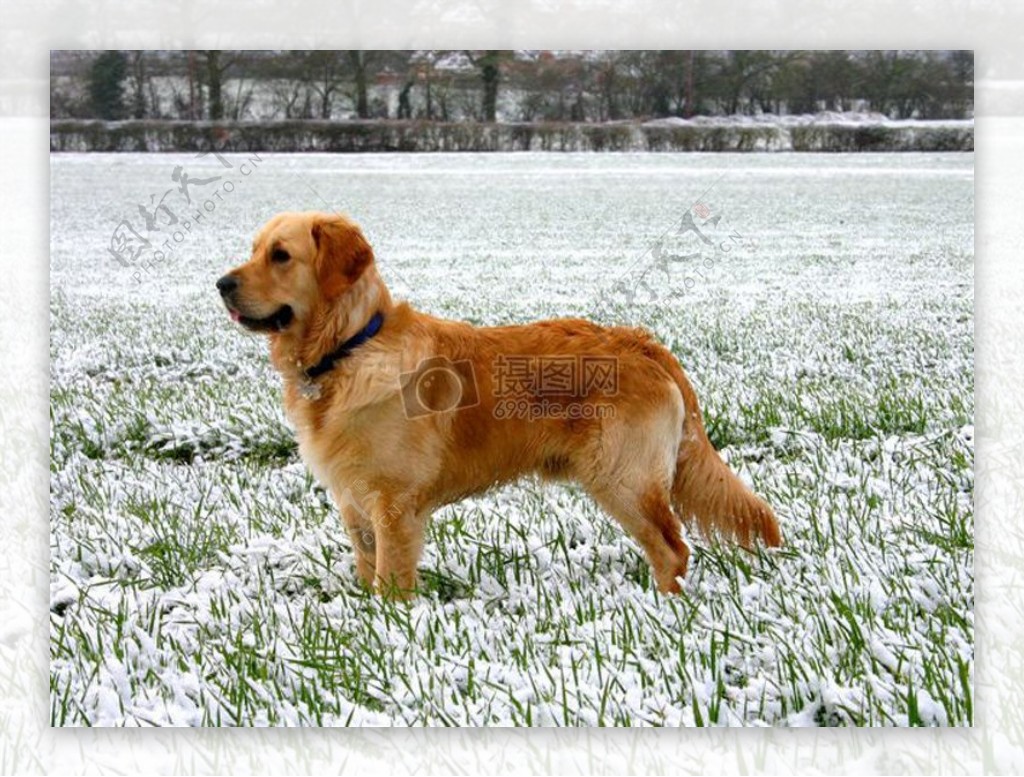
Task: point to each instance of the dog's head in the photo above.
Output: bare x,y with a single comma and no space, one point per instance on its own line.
300,262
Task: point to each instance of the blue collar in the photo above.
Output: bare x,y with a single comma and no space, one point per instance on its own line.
346,348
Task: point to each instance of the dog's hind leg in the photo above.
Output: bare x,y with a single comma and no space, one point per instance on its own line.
648,516
629,472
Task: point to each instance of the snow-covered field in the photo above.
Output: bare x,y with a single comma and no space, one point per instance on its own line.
199,577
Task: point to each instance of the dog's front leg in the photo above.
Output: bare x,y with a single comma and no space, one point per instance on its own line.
400,534
364,541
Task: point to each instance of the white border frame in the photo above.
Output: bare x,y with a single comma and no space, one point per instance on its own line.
27,744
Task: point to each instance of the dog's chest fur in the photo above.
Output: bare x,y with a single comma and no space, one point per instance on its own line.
355,436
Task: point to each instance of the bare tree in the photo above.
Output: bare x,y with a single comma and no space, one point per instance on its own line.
438,83
323,73
69,76
489,63
242,101
608,75
357,61
423,66
747,75
216,66
139,83
193,88
290,99
290,95
451,85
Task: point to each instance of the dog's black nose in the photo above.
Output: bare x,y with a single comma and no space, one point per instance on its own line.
226,285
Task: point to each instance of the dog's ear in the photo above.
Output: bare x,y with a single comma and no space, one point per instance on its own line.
342,254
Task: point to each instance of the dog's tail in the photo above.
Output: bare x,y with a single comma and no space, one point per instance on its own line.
705,491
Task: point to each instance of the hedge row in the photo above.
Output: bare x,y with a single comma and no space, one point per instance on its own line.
355,136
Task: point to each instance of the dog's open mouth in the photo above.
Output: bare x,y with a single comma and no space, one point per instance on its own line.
275,322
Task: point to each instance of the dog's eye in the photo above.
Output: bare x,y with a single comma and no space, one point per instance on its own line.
279,255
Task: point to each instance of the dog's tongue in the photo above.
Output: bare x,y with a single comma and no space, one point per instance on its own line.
235,315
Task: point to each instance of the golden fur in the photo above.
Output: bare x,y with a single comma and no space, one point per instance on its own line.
640,450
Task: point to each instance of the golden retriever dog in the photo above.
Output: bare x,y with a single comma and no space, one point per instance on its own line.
398,413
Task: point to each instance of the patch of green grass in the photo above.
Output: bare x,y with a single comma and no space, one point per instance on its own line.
179,541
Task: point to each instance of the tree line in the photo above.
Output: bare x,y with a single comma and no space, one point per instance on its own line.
504,85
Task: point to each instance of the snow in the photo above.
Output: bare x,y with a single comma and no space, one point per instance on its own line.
822,118
199,577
